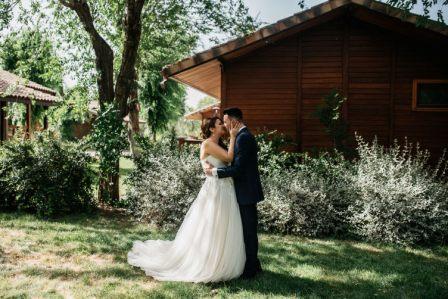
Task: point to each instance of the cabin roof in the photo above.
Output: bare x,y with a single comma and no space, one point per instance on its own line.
199,69
15,88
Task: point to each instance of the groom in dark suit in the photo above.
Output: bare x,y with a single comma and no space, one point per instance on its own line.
244,170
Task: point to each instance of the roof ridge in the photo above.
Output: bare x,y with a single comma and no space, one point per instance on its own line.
26,82
295,20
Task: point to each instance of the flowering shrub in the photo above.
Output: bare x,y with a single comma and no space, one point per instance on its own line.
399,199
271,156
388,195
310,200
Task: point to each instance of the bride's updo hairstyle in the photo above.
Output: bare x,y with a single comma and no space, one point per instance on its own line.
210,123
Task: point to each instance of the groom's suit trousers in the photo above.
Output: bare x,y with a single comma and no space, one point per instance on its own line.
249,219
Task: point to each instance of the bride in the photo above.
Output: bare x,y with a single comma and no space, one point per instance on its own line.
209,245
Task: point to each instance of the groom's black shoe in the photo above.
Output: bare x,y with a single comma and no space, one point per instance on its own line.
248,275
258,268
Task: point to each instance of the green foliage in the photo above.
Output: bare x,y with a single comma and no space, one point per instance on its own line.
109,138
45,176
171,31
399,196
386,194
6,7
439,7
205,101
163,105
329,114
73,110
31,54
271,154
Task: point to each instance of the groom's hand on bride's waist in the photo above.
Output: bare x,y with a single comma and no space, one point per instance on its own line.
208,169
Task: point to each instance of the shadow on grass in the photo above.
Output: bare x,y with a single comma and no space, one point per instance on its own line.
293,266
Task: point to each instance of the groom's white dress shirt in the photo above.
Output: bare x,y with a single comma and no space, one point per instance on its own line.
215,170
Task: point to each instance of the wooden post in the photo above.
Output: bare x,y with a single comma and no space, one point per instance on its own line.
392,91
3,121
299,96
223,89
46,118
28,121
345,82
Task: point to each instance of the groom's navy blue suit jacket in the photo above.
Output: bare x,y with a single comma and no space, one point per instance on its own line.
244,169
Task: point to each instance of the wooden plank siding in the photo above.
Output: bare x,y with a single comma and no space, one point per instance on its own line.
322,71
280,85
419,61
264,86
370,61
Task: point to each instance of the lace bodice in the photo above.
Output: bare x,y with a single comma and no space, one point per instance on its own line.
213,161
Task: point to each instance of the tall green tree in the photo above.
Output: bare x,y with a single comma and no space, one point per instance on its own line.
31,54
120,53
6,9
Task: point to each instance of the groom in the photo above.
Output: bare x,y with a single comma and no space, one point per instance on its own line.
244,170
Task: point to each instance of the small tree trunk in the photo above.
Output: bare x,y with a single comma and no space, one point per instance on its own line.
109,187
134,125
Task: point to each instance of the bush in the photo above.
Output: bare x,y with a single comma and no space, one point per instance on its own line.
309,200
45,176
399,198
271,156
164,184
386,195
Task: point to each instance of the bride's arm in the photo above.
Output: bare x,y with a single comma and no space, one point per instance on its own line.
217,151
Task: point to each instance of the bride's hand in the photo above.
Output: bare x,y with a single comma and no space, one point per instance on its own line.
234,128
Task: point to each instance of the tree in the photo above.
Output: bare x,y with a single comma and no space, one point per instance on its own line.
6,8
427,5
114,27
31,54
164,105
205,101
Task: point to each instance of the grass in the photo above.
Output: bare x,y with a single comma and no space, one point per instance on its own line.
126,166
85,256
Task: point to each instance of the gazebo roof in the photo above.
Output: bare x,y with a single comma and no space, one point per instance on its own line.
204,112
17,89
203,70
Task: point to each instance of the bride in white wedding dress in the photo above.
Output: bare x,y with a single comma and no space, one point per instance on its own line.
209,245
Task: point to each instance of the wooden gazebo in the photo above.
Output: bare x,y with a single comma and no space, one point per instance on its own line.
16,89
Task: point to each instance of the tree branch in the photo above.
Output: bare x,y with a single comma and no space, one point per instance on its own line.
104,56
127,75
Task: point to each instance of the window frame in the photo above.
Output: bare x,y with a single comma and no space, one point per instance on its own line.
415,107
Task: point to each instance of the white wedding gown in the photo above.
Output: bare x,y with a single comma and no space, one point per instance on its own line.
208,246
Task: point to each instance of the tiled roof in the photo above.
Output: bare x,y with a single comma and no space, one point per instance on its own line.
15,87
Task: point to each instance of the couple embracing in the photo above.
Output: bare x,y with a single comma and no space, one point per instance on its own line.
217,239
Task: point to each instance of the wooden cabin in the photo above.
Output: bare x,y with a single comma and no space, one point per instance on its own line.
393,73
16,89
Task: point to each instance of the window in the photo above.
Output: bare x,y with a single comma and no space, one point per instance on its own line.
430,95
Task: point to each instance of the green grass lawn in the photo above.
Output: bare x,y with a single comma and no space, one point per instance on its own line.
85,256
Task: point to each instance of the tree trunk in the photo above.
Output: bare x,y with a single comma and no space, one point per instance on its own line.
109,187
133,125
104,58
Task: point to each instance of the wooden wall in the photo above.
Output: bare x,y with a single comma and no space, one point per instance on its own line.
264,86
280,86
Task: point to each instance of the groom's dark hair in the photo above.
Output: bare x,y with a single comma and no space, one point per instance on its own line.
234,112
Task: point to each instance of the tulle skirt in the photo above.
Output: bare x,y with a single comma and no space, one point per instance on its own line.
208,246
